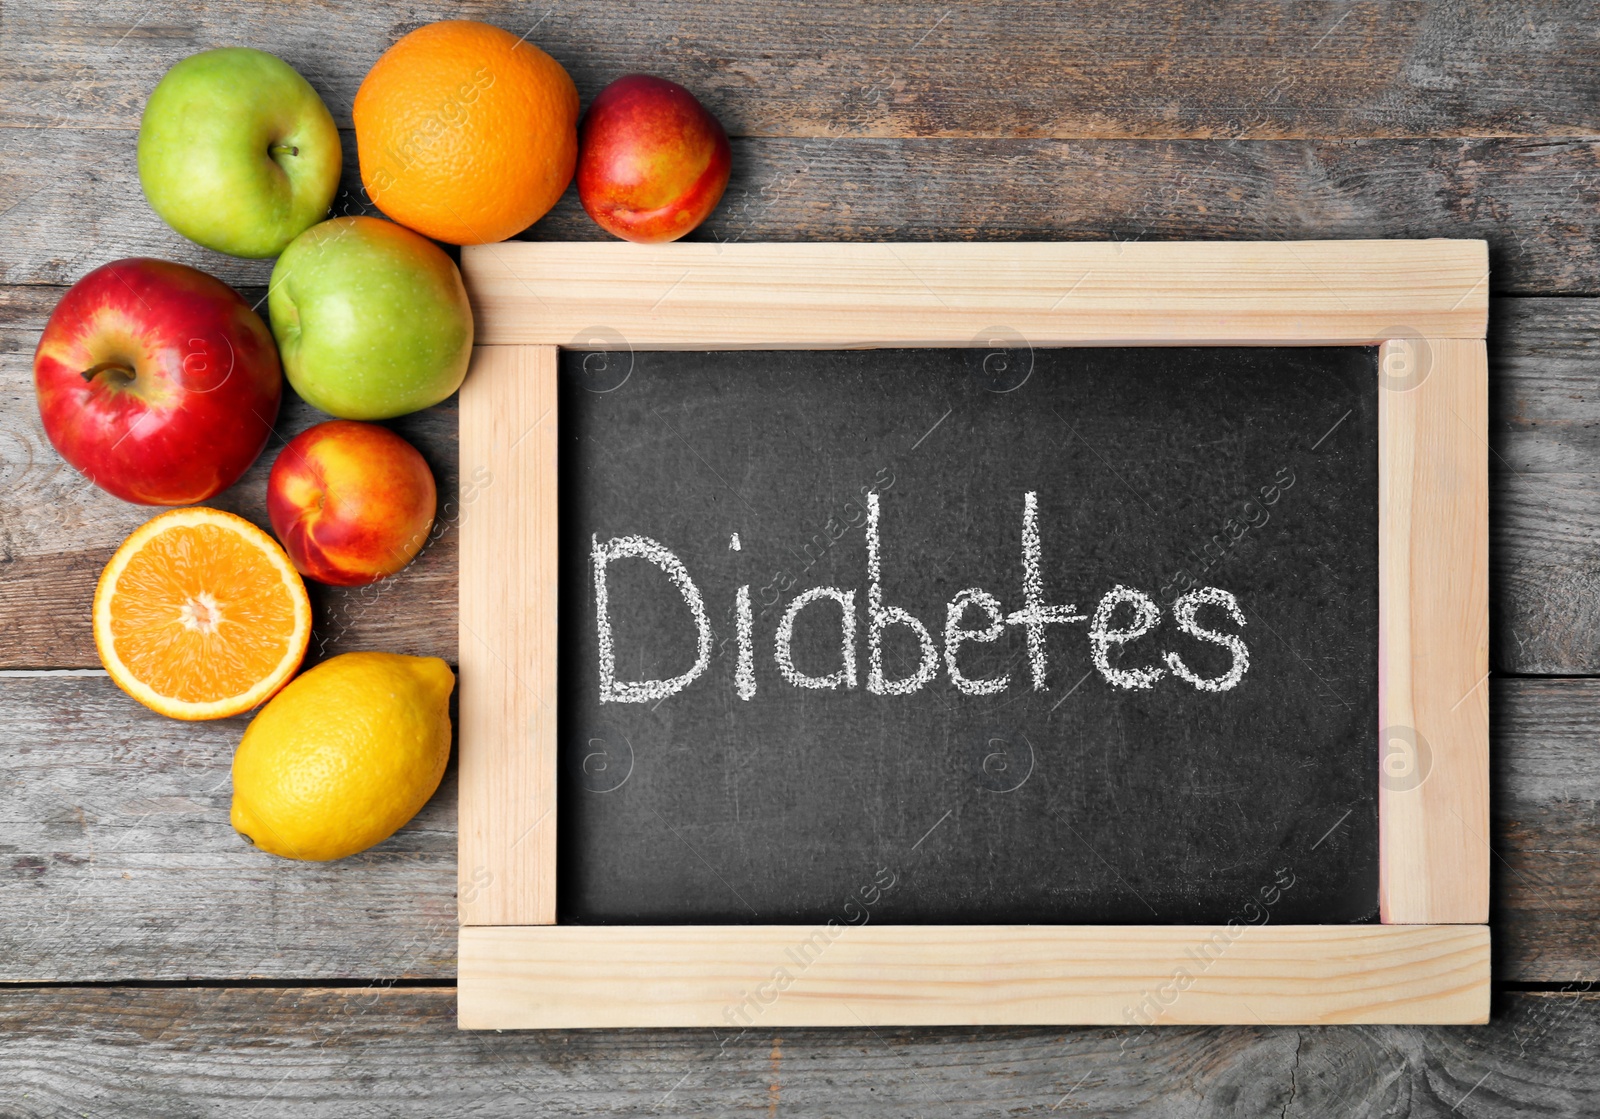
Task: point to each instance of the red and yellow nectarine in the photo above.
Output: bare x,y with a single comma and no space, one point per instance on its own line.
351,502
652,162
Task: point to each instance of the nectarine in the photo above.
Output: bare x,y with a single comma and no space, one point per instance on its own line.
652,162
351,502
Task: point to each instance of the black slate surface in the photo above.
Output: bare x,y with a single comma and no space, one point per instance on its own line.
1251,470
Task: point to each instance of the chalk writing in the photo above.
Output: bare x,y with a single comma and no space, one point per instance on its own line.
1123,617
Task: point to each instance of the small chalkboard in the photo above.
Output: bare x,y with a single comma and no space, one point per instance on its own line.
962,634
1122,665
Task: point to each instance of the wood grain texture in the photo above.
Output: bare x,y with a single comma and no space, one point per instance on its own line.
1433,652
508,602
1256,71
70,198
117,861
1148,68
57,532
829,296
316,1053
1545,472
780,976
1546,787
1546,572
1544,408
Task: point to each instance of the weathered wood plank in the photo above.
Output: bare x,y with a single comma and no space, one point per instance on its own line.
1546,798
1544,398
1545,461
117,861
1103,69
318,1052
1544,572
56,532
70,198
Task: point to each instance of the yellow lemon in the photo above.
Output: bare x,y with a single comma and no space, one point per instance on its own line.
344,756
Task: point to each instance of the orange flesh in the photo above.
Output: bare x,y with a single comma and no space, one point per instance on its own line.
198,614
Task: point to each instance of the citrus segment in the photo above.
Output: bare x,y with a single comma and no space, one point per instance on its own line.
200,615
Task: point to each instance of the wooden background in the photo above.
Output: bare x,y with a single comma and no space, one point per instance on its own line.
151,964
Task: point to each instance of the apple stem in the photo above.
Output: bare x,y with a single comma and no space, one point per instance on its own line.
277,150
119,371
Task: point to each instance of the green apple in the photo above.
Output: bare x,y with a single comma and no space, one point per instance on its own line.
237,152
372,320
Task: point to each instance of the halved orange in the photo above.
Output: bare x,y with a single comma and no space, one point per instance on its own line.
200,615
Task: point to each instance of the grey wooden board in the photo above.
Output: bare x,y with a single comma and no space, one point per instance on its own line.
1544,800
1448,88
117,861
1102,68
396,1053
70,197
1544,392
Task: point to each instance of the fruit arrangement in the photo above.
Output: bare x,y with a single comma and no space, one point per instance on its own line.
161,385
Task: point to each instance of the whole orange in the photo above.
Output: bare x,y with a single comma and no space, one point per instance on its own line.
466,133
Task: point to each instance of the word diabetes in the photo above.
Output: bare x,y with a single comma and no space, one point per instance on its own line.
973,616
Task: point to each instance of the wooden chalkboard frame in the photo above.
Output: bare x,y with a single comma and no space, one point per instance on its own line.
1425,303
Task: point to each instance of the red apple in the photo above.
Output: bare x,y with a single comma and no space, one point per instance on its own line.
157,382
652,163
351,502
